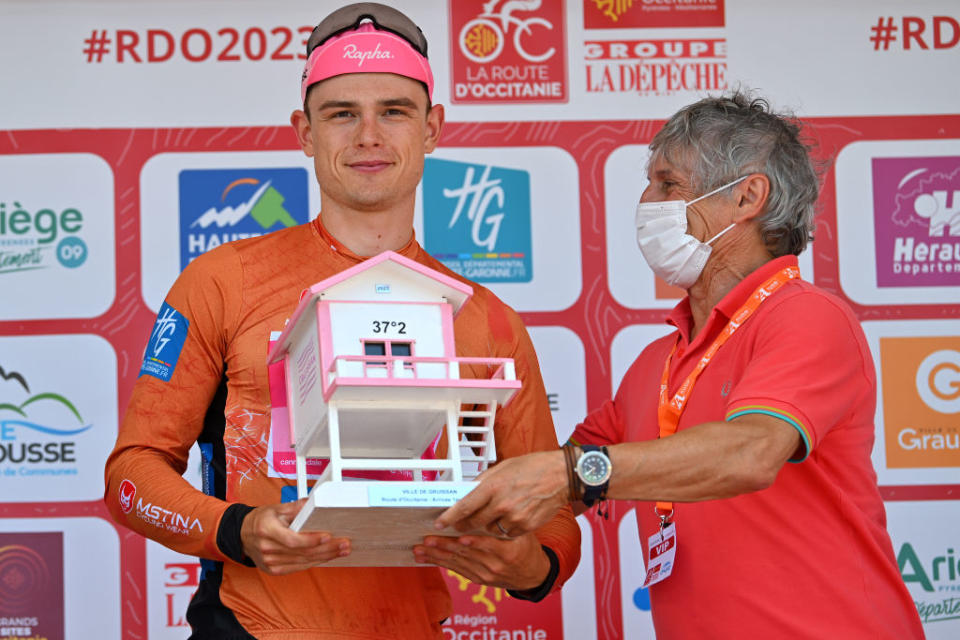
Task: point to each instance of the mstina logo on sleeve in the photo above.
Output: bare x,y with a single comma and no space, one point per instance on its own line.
476,220
916,204
166,341
220,205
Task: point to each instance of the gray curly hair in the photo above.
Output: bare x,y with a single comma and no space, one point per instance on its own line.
720,139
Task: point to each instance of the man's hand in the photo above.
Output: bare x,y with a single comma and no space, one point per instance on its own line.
277,550
520,494
517,563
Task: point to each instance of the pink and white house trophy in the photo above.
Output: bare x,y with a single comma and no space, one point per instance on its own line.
373,383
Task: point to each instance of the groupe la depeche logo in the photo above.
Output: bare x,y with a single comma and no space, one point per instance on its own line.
40,237
508,52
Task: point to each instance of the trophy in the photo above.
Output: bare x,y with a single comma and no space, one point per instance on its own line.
373,384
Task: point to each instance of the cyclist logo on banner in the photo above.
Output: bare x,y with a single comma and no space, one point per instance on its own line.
482,38
508,51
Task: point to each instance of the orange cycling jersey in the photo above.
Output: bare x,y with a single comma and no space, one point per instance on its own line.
210,385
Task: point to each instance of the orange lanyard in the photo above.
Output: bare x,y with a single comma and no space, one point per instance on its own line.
670,410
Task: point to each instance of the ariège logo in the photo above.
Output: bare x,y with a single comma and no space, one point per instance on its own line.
921,401
935,572
638,14
477,220
916,205
508,51
166,341
39,238
220,205
36,429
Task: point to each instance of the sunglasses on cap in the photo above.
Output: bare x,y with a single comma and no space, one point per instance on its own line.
383,17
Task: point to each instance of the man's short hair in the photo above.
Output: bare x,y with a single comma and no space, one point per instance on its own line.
720,139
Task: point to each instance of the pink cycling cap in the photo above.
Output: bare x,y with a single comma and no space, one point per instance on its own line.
365,49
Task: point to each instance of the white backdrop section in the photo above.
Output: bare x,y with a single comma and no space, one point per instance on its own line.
632,283
634,599
628,344
91,573
554,222
563,367
579,596
57,46
857,222
928,559
60,419
56,215
909,333
160,206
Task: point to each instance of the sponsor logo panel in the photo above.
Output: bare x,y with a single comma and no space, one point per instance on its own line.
220,205
639,14
68,581
58,416
504,51
634,598
165,343
31,585
467,220
489,612
191,203
508,218
563,365
918,400
56,236
916,204
898,207
929,561
921,401
655,66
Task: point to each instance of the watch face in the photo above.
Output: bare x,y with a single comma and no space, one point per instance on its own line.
593,468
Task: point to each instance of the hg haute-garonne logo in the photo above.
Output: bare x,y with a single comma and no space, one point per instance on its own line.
508,51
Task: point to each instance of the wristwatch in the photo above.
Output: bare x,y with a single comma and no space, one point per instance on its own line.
594,469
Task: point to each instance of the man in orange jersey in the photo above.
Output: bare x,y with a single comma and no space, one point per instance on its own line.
744,436
367,121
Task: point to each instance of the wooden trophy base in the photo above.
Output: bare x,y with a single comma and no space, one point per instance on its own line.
383,519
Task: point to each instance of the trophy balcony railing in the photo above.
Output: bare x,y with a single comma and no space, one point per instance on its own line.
418,371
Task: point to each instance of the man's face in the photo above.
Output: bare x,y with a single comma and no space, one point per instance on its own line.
367,134
673,182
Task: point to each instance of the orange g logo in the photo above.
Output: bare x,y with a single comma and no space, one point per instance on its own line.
938,381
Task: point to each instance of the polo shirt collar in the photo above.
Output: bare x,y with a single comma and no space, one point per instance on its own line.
682,317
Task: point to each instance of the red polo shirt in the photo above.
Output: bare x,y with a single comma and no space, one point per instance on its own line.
808,557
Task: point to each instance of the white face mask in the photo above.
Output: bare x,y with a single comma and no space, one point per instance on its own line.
671,252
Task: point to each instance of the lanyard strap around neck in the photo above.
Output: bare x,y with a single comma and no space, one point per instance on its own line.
670,409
